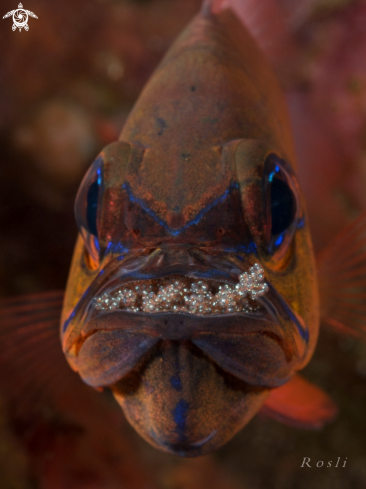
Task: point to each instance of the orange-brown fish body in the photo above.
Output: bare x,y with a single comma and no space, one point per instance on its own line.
185,193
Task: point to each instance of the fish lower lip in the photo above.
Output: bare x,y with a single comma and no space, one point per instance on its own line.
183,325
113,343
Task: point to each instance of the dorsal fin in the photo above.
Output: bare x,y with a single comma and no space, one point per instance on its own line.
265,22
342,280
207,8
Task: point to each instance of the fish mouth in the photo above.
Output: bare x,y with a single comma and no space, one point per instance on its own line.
180,294
231,313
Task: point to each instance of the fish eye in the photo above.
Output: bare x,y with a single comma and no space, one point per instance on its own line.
86,208
282,206
282,203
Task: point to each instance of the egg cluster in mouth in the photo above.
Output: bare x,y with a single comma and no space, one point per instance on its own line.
189,295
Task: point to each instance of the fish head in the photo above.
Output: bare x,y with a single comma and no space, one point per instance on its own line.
192,292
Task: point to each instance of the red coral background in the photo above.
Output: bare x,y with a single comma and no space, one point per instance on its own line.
66,87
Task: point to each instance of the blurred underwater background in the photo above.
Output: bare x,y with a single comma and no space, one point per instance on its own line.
66,88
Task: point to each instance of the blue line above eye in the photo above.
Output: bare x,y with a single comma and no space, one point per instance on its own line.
273,173
92,207
99,173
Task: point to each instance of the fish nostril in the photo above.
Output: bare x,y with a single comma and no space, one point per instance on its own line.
220,232
136,232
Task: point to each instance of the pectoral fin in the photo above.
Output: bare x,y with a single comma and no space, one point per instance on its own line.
301,404
342,280
33,370
74,435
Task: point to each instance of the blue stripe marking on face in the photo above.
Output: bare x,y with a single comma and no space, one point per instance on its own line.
72,315
175,382
115,248
279,240
176,232
304,332
76,308
68,321
180,418
301,223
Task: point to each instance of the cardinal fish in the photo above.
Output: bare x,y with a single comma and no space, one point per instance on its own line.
194,293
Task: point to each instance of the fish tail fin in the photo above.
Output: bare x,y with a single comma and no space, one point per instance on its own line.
342,280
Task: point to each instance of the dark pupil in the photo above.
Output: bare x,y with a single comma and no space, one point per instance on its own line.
92,207
282,206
